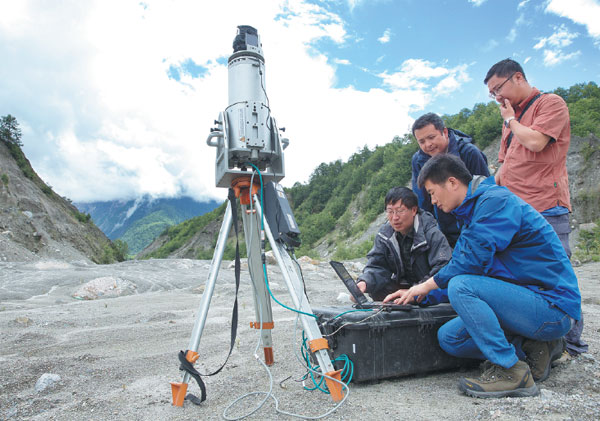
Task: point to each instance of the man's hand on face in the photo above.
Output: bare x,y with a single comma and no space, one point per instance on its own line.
506,110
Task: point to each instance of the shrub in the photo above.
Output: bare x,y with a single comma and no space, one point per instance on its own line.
588,247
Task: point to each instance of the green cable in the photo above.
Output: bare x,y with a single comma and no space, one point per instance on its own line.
352,311
262,227
345,376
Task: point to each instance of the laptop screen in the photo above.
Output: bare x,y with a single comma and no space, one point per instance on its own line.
349,282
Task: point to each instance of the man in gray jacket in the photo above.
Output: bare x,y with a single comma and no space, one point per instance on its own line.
409,249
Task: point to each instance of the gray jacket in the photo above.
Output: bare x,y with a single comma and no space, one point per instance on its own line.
429,253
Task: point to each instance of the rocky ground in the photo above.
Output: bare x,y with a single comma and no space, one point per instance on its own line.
83,341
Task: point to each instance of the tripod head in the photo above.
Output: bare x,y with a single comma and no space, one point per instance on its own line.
246,132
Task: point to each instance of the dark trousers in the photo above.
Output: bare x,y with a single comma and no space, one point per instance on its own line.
575,344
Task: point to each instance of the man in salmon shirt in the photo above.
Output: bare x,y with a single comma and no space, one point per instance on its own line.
535,139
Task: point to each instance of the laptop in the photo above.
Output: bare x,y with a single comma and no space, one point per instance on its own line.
362,302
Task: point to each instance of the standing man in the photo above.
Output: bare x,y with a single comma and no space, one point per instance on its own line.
535,140
409,248
509,280
434,138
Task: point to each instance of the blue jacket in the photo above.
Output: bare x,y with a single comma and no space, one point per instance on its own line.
503,237
459,144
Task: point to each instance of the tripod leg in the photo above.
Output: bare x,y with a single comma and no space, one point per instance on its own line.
262,300
318,344
179,389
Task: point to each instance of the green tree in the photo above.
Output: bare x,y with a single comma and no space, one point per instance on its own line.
10,131
121,250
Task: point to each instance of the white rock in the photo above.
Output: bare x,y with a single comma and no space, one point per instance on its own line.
51,265
343,298
588,227
306,259
105,287
243,264
356,266
270,256
47,380
28,214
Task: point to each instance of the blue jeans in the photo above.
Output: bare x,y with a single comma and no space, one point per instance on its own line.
493,318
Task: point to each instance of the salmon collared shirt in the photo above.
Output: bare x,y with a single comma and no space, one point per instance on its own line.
539,178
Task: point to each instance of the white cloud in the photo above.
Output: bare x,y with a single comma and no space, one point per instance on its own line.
512,35
526,60
490,45
354,3
554,57
554,45
341,61
584,12
89,84
522,4
385,38
453,81
416,76
477,2
560,38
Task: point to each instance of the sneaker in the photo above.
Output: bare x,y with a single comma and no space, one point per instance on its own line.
540,356
498,382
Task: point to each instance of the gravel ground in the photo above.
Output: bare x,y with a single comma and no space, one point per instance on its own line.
116,354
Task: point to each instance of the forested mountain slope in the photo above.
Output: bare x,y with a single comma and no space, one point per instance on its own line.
341,206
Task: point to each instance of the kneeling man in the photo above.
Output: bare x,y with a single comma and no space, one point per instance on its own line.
509,280
409,248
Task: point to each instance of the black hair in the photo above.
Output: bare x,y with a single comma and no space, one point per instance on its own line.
427,119
402,194
441,167
504,68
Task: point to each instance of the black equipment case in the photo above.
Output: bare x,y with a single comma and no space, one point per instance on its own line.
389,343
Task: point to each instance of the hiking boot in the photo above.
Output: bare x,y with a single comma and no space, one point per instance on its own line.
498,382
540,356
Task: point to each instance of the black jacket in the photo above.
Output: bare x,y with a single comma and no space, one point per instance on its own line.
429,253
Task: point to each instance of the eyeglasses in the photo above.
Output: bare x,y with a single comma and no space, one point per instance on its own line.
395,212
494,92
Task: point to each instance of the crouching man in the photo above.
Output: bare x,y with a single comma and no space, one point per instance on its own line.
509,280
409,248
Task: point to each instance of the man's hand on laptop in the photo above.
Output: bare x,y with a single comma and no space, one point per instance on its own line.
362,285
415,293
395,296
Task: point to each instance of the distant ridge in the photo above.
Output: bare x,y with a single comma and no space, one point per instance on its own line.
139,221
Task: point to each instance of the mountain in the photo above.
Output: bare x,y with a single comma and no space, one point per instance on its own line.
37,223
340,209
138,222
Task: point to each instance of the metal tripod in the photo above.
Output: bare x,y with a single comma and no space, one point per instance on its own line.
252,218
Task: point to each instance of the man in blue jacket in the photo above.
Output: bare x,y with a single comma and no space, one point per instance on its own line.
434,138
509,280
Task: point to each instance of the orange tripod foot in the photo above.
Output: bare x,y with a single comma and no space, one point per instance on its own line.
335,388
178,390
269,355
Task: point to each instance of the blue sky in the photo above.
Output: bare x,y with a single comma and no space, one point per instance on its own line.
116,98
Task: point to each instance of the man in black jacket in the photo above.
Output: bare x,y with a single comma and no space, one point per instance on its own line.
408,249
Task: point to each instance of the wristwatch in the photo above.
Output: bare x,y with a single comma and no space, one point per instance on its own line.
507,121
